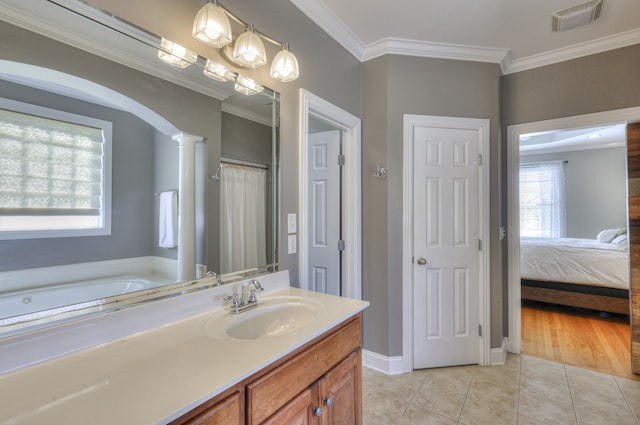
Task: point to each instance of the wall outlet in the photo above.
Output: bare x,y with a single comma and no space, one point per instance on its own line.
291,223
292,244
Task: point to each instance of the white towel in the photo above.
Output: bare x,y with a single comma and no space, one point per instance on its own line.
168,219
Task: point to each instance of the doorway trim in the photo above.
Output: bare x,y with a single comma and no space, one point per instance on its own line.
482,127
351,130
619,116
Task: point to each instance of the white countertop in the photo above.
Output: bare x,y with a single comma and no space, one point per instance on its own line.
156,375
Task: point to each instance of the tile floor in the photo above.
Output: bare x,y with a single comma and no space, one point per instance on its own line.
524,391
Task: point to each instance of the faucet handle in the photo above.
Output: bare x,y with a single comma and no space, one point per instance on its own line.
235,303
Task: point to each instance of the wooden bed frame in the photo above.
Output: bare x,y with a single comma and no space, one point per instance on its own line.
584,296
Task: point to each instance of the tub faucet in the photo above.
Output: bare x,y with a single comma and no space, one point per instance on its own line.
249,290
211,273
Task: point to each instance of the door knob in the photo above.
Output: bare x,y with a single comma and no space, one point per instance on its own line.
422,261
317,411
328,401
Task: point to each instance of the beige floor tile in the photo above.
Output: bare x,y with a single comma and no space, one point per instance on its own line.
602,416
533,367
439,400
546,410
631,391
504,377
525,420
505,394
400,387
382,409
454,379
416,415
548,389
483,412
589,379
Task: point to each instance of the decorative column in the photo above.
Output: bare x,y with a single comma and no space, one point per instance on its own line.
187,205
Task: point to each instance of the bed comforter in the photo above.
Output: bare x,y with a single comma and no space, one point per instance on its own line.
570,260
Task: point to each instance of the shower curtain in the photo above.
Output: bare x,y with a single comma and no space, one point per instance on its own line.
242,218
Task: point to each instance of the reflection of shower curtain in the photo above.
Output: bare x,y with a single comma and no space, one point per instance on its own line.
242,218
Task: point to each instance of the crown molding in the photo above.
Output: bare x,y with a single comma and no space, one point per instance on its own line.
107,44
329,23
246,114
575,51
325,19
398,46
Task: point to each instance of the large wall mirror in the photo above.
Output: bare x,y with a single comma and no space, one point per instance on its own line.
62,63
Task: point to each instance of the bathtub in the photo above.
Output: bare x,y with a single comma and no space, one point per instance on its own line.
37,303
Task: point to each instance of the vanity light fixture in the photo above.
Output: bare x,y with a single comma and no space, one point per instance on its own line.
247,86
285,65
176,55
218,72
212,26
248,50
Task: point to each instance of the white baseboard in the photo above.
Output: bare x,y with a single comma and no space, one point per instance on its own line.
384,364
499,355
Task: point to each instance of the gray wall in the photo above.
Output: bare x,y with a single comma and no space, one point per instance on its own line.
394,86
132,192
596,83
595,186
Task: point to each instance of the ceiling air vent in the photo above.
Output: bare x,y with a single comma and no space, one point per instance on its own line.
576,16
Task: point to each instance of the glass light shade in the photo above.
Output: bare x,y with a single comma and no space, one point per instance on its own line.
218,72
249,50
247,86
211,26
176,55
284,66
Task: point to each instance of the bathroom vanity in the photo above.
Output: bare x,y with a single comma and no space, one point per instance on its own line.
186,360
319,383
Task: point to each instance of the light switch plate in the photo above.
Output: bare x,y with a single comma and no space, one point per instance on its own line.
291,223
292,244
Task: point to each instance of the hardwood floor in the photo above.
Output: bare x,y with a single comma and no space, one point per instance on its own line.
577,337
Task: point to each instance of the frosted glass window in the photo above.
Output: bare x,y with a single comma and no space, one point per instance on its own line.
542,200
54,173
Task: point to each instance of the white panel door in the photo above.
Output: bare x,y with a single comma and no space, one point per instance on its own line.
324,212
446,247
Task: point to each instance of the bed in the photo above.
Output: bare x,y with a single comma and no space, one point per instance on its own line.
586,273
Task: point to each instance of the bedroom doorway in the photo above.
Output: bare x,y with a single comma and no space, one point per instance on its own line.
534,163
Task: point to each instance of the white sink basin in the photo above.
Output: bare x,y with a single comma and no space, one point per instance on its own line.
274,316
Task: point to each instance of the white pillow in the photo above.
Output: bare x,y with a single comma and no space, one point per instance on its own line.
619,239
607,235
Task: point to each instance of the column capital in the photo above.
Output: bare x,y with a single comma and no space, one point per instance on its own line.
187,139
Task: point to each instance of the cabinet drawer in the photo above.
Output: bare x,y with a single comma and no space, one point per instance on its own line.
218,411
273,390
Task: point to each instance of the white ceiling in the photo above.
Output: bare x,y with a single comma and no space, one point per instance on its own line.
515,33
573,139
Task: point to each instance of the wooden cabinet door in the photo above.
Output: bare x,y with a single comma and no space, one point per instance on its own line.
341,393
298,411
225,412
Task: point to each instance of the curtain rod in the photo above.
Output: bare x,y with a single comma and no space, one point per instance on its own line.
245,163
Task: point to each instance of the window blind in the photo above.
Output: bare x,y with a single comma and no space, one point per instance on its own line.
49,167
542,200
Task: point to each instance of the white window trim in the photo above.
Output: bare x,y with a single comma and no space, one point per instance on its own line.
107,128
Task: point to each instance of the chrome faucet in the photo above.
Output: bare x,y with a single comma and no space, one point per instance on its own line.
211,273
247,299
